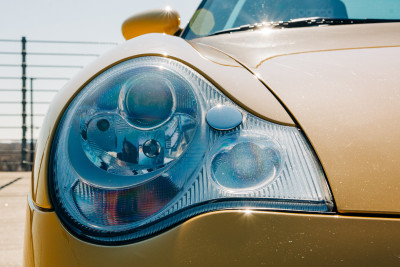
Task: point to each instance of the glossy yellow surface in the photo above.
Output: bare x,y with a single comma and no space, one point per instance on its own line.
253,48
229,238
234,81
155,21
354,121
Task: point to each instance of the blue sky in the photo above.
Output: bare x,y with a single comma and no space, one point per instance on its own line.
73,20
77,19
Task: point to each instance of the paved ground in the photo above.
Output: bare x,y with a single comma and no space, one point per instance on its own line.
14,188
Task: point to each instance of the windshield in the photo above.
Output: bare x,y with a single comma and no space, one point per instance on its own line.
217,15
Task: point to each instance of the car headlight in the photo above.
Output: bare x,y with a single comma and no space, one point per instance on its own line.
134,155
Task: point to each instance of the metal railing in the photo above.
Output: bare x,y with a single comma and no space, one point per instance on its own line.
17,154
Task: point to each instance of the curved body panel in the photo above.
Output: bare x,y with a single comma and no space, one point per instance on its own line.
230,238
253,48
348,104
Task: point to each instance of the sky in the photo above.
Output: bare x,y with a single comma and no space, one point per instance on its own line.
78,19
72,20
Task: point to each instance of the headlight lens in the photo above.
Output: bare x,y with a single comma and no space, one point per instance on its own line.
133,155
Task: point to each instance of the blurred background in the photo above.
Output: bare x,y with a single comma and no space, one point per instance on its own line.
43,44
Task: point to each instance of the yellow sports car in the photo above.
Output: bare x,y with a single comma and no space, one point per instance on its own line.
266,132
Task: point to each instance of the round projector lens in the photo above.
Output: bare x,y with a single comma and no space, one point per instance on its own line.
148,100
242,164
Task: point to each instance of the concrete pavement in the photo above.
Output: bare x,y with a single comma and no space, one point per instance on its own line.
14,187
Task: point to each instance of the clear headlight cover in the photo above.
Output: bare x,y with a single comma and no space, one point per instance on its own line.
133,155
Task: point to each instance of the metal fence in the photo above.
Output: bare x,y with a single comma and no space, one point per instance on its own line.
31,73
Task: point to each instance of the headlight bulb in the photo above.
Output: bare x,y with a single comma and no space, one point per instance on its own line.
152,148
103,125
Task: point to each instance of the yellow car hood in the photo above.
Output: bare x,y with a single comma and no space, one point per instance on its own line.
342,86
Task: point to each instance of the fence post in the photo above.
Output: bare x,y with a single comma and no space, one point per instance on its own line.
32,126
23,77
